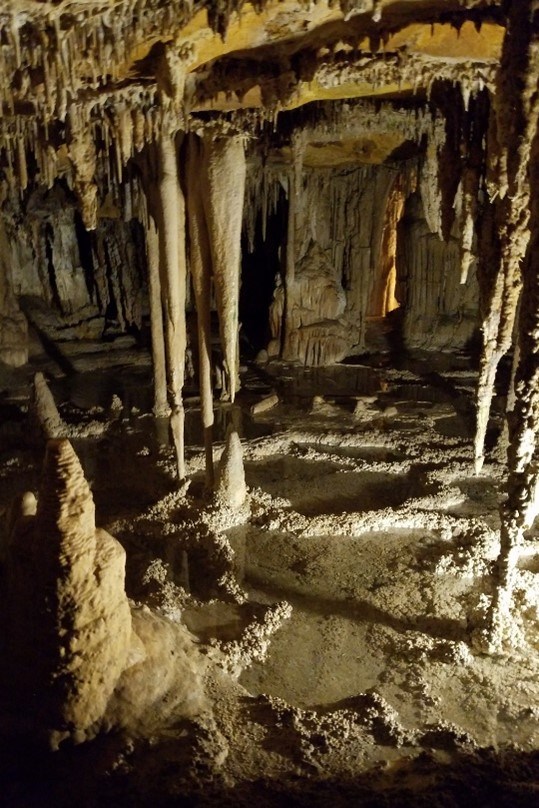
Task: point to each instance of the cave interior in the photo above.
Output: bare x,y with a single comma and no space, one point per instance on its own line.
269,399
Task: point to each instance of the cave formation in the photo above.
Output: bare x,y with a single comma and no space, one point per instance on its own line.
269,395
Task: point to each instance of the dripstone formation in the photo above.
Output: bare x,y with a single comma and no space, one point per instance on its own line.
66,615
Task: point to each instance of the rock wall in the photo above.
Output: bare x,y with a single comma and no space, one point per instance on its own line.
439,312
13,325
73,283
359,252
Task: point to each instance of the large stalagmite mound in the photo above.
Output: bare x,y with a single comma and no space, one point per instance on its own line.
74,661
67,618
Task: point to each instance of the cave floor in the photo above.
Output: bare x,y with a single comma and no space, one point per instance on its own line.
365,516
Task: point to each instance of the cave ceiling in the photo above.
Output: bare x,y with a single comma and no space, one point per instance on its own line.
75,64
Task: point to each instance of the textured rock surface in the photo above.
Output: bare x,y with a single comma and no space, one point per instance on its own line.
67,619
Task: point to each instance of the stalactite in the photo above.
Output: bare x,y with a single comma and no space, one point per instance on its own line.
473,143
225,176
502,447
200,264
295,182
510,135
173,260
22,167
520,65
264,182
160,405
83,158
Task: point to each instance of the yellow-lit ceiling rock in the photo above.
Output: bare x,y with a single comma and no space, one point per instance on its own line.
405,61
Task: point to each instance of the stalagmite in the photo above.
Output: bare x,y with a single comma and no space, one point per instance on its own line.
520,509
225,176
44,411
68,620
316,332
160,406
265,404
231,489
510,136
174,270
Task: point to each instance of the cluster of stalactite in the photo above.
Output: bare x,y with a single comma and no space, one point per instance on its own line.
363,56
55,52
193,221
93,161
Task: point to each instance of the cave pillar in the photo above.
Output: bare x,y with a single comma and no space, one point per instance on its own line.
520,65
225,171
511,131
174,271
201,273
499,317
521,507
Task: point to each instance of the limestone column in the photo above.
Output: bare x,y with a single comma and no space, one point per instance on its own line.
511,131
521,66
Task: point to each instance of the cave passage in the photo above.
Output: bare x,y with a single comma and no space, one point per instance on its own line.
269,399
